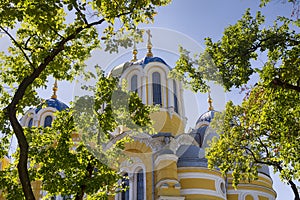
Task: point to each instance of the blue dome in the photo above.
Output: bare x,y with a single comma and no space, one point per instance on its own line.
189,157
118,70
147,60
206,117
54,103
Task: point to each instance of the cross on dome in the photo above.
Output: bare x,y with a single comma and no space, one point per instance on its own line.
149,45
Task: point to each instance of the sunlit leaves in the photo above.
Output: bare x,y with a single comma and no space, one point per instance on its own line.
264,130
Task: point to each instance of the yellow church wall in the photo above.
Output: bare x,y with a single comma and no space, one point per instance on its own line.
232,196
198,183
164,123
171,191
168,171
136,147
4,163
249,197
36,187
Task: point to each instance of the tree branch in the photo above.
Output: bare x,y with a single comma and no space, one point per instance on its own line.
82,16
19,46
280,83
278,166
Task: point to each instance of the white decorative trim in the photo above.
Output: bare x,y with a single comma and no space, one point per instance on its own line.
163,71
202,175
170,198
185,139
159,183
144,88
200,124
131,167
170,94
201,191
164,157
28,115
243,193
219,183
129,73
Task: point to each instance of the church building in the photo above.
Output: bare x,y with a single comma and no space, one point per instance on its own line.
170,164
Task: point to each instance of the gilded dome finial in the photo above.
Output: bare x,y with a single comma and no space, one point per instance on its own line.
149,45
210,101
55,88
134,52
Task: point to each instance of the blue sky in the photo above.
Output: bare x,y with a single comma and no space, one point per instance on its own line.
188,22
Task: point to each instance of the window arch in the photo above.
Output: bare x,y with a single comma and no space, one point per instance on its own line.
249,197
48,121
133,82
30,123
125,185
140,185
156,86
175,97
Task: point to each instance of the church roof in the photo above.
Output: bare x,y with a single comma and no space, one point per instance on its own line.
118,70
207,116
52,102
198,134
189,157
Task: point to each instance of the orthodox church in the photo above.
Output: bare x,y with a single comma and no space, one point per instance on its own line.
171,164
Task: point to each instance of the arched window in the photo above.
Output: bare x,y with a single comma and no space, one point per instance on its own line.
249,197
134,83
30,122
156,86
125,185
140,185
48,121
175,97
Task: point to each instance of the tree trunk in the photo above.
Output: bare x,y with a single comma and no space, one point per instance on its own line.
295,190
23,157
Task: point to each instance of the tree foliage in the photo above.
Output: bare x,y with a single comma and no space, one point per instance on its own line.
53,38
264,130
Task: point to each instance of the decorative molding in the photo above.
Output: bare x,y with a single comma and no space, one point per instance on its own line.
164,181
201,192
206,175
255,193
185,139
164,157
170,198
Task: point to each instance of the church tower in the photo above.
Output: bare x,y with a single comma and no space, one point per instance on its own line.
149,78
